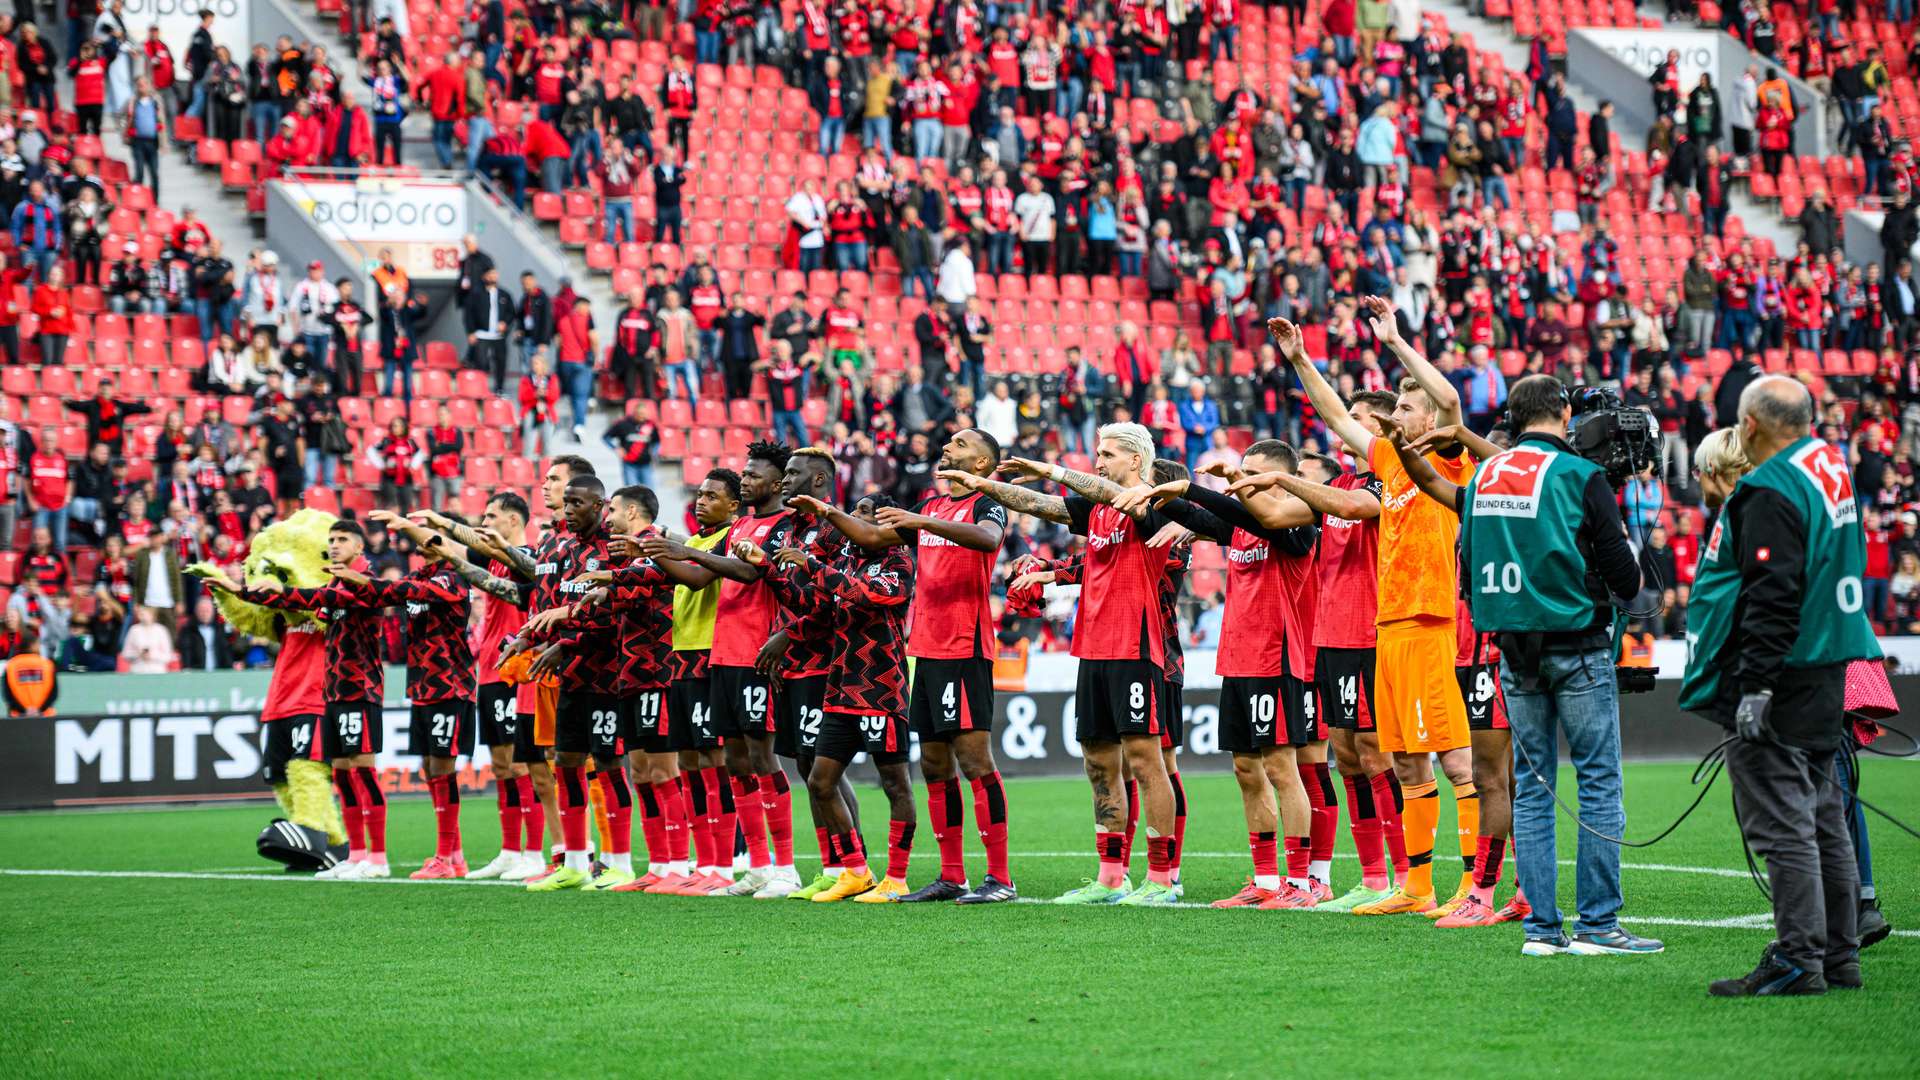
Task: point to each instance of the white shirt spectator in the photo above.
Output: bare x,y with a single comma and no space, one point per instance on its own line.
810,213
999,415
1035,211
312,301
956,276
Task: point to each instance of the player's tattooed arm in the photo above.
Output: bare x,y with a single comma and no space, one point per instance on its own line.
485,582
1019,499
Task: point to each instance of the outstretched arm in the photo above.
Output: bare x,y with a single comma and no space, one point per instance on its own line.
1421,471
1320,392
1020,500
1446,400
1086,485
1353,504
864,533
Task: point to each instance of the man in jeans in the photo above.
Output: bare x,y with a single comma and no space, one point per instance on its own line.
1544,551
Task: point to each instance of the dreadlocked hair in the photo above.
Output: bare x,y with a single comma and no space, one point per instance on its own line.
775,454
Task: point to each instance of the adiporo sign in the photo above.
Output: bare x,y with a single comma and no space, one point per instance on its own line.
178,19
386,213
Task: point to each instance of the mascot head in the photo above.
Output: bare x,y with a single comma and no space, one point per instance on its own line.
293,551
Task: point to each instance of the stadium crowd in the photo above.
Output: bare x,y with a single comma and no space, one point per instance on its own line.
994,144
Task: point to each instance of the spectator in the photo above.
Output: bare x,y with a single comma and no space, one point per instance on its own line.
636,439
577,347
914,249
539,402
488,316
1199,419
203,644
153,576
445,442
787,380
148,649
739,346
53,305
396,456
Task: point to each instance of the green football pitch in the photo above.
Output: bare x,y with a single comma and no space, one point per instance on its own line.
144,943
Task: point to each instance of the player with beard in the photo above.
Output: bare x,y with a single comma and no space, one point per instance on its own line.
955,538
1417,706
690,731
579,647
865,707
1176,540
642,597
741,696
439,683
1120,641
1265,662
506,710
351,733
798,658
535,582
1343,635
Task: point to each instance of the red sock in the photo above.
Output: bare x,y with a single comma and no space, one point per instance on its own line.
373,803
1363,820
572,787
725,816
352,818
1160,860
701,822
990,815
899,848
1299,856
653,823
1179,820
1133,822
943,817
619,795
1387,801
533,816
1489,851
445,791
776,797
506,794
1266,854
1325,807
683,794
1113,865
752,814
826,847
849,855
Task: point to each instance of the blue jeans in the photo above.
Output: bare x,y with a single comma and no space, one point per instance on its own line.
926,139
706,46
685,373
1000,253
1900,11
812,258
850,256
1578,698
320,345
620,221
399,366
1069,96
878,131
322,468
631,474
479,130
833,129
785,420
1343,50
924,277
553,175
1226,39
577,380
1495,190
443,142
215,317
84,511
55,521
907,62
586,155
1129,264
263,119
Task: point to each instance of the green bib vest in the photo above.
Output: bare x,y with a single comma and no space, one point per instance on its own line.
1833,623
1519,541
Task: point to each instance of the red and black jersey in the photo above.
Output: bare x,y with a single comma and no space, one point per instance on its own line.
1117,619
439,654
808,614
499,620
544,590
643,595
1349,573
952,609
589,640
1179,560
299,675
352,613
868,676
743,619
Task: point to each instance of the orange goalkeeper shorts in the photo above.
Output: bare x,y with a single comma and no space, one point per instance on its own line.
1416,705
545,703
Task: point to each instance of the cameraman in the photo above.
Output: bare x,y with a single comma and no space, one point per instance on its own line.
1777,606
1543,549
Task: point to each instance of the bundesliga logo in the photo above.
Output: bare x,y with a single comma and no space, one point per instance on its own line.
1510,483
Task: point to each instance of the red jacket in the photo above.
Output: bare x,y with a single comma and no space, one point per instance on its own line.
55,308
359,135
543,142
447,93
539,403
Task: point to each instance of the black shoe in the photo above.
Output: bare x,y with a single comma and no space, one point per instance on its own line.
1844,976
1775,977
1874,926
939,890
991,891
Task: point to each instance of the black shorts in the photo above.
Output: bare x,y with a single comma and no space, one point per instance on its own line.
690,716
499,723
352,727
525,750
1173,716
1486,702
589,723
287,739
797,705
1300,701
443,730
648,721
1118,698
950,697
741,700
1345,678
843,736
1252,716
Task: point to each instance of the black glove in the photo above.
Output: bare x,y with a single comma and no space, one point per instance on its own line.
1750,719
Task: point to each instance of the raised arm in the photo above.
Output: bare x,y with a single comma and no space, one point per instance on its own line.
1349,504
513,592
1020,500
864,533
1086,485
1320,392
1446,400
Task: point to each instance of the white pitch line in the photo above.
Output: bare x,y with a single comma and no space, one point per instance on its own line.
1758,921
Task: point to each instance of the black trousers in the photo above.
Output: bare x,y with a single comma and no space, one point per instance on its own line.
1793,812
490,356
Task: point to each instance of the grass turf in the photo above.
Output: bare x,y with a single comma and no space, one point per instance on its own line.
269,974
